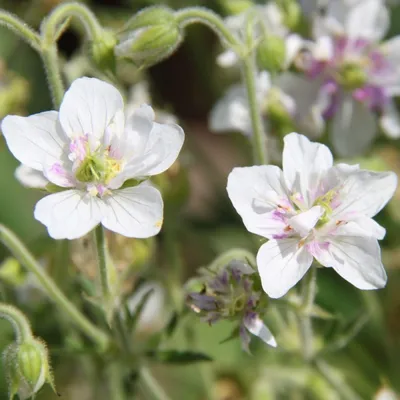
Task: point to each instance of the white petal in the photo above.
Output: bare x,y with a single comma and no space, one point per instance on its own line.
69,214
36,140
304,93
353,129
356,259
255,192
281,264
134,212
304,165
89,107
150,152
368,19
227,59
324,48
231,112
363,227
257,327
390,121
303,222
30,177
391,49
293,44
365,193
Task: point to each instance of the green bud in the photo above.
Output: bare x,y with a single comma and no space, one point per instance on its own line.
152,35
352,76
291,12
271,53
12,272
277,113
234,7
103,51
27,367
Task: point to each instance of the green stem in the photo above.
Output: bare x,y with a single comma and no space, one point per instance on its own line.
10,240
18,320
249,73
116,384
49,55
70,10
308,292
339,385
152,385
101,247
22,29
204,16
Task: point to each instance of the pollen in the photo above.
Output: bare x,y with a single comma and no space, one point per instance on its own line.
159,223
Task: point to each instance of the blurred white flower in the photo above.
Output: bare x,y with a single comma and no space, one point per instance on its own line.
350,75
153,316
97,160
313,210
386,393
269,21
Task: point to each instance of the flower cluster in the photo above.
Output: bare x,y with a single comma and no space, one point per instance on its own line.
96,161
344,82
231,295
313,210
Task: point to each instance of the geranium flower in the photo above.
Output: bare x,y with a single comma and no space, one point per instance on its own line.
96,160
313,210
352,74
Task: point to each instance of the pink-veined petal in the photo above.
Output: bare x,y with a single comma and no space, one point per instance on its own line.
35,140
281,264
69,214
134,211
304,165
356,259
90,106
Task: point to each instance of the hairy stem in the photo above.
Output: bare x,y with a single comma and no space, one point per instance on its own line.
18,320
101,247
308,293
10,240
249,74
20,28
152,385
204,16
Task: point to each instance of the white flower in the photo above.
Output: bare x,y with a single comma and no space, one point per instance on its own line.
97,159
313,209
268,21
353,75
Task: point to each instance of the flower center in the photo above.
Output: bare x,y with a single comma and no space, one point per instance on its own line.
93,162
352,75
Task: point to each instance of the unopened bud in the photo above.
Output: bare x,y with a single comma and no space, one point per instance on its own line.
103,51
27,367
271,53
152,35
234,7
291,12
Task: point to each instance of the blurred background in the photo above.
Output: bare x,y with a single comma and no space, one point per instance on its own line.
200,223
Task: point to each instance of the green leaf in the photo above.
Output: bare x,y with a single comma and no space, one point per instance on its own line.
178,357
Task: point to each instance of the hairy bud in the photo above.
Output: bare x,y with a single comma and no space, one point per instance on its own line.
151,36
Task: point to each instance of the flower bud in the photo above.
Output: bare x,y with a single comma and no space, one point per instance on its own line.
152,35
291,12
103,51
271,53
27,367
237,6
